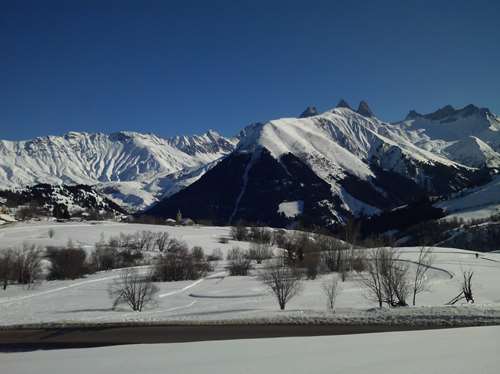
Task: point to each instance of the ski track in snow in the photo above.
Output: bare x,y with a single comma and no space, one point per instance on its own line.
189,286
42,293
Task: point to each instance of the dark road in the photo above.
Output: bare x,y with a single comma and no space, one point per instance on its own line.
78,337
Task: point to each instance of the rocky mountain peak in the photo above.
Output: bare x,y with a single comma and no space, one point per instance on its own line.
310,111
343,104
364,109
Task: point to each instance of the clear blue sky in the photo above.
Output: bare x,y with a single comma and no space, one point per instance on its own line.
182,67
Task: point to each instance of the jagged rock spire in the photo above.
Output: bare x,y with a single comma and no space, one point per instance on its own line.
309,112
412,114
343,104
364,109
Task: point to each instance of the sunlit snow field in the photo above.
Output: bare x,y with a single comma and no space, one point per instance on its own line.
219,297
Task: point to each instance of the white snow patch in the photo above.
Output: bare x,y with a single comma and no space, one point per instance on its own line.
291,209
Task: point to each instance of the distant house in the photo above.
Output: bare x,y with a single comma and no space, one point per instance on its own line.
187,222
170,222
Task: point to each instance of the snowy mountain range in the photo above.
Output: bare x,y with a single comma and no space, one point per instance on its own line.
131,168
319,168
322,168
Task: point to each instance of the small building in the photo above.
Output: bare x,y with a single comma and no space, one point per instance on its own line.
187,222
170,222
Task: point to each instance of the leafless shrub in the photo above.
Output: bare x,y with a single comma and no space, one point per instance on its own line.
260,252
181,264
465,289
29,212
424,263
162,240
310,262
261,235
239,262
67,263
280,237
330,289
198,253
283,281
216,255
116,252
467,286
104,258
145,240
239,233
134,289
174,246
27,266
223,240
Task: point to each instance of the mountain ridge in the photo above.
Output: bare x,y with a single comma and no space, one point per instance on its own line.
358,156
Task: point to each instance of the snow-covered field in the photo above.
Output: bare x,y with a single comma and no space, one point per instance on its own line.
86,234
219,297
465,350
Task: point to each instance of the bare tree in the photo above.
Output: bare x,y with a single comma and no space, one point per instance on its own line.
134,289
352,232
398,283
6,267
283,281
331,289
331,252
386,279
343,263
424,263
372,280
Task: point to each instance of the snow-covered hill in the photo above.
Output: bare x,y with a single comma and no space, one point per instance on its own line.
332,164
127,166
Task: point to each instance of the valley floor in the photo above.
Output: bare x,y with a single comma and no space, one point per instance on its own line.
219,298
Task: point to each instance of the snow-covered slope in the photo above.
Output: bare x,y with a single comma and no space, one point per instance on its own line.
480,202
130,165
363,164
342,138
474,152
440,130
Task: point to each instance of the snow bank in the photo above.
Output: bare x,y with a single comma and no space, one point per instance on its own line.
467,350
